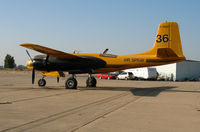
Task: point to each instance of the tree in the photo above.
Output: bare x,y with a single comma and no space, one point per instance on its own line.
9,62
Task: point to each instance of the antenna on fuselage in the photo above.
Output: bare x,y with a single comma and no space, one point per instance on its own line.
105,51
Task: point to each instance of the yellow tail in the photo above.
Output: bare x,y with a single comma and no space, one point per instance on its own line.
168,42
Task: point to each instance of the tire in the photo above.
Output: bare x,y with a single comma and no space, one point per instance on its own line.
71,83
91,82
41,82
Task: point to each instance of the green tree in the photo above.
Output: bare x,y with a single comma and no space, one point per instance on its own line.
9,62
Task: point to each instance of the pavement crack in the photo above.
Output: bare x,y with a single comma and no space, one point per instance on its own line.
28,99
5,102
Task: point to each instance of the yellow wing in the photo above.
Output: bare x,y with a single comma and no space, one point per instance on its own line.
49,51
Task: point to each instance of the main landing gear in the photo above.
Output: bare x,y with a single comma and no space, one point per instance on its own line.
91,81
71,83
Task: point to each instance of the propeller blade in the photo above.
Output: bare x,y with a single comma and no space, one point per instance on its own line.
46,62
33,75
29,55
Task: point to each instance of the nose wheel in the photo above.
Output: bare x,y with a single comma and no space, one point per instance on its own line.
42,82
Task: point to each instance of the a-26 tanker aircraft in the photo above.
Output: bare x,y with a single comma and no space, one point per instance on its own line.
167,49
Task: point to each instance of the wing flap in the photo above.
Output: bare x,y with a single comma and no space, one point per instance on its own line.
49,51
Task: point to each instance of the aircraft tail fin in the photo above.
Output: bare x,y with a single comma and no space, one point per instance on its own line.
168,42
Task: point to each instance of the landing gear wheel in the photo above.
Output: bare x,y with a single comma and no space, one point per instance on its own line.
71,83
41,82
91,82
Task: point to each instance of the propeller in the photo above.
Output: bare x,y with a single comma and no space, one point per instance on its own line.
46,63
33,75
29,55
33,71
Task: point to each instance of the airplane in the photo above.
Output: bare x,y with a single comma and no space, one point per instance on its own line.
167,49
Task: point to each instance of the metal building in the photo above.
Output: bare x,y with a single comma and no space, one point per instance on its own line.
182,71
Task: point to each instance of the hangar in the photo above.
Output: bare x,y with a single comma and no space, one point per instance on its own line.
182,71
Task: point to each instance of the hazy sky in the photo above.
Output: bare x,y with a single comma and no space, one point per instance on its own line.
123,26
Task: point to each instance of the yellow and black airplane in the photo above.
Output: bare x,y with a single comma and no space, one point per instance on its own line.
167,49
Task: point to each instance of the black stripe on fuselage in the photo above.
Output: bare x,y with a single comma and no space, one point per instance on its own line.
160,61
82,63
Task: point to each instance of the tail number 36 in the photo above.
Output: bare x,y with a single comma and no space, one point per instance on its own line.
160,38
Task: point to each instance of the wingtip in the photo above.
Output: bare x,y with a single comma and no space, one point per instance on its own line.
25,44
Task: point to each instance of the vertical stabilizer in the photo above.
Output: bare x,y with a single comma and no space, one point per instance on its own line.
168,42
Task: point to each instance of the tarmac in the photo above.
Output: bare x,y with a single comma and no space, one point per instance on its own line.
113,106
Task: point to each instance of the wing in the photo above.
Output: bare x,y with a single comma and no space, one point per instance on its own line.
49,51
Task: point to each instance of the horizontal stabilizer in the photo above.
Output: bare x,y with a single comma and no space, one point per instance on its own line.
165,53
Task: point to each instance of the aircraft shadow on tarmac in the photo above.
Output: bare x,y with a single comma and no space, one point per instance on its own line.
148,92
